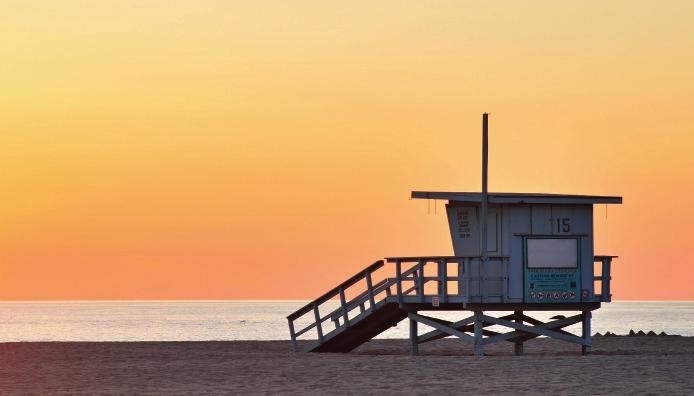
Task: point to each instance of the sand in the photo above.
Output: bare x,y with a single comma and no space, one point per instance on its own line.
619,365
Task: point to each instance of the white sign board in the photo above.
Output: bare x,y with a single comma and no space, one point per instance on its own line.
552,253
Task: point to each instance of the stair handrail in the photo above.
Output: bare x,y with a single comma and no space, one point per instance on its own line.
336,290
361,298
365,295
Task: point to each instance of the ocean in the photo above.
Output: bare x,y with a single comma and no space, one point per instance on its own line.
259,320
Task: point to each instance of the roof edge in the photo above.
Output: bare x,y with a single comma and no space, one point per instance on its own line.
519,198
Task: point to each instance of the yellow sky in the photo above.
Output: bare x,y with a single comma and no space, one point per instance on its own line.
266,149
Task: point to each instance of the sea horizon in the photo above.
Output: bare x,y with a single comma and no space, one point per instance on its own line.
250,300
257,320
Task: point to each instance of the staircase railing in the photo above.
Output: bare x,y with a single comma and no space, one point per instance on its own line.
407,269
345,306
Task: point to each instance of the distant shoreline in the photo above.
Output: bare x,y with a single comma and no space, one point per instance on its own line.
239,320
251,300
268,342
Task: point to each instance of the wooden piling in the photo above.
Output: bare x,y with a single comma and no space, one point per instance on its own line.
414,347
479,346
518,345
585,348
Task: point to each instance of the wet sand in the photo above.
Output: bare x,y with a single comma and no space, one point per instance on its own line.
618,365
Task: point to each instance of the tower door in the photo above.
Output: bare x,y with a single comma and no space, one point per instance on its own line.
465,230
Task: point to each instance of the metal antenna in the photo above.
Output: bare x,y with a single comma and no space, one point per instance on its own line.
484,210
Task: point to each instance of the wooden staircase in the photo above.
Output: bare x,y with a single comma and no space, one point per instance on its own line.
383,303
349,333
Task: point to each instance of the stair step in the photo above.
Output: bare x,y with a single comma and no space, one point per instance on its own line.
362,328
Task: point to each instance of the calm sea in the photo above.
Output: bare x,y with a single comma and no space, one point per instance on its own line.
255,320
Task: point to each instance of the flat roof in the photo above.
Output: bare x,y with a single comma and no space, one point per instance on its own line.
518,198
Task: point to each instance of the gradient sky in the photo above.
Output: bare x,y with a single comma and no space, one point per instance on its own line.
266,149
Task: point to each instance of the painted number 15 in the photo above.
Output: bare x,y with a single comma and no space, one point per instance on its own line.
563,225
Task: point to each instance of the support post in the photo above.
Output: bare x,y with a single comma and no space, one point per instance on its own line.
479,346
443,280
420,280
460,277
343,304
606,277
414,348
292,334
518,345
504,280
398,270
319,327
370,288
466,270
585,348
483,279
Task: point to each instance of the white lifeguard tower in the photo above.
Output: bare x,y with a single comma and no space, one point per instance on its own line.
514,252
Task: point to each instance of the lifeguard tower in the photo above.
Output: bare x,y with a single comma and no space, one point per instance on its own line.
514,252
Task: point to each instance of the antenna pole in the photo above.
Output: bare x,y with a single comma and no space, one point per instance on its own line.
484,209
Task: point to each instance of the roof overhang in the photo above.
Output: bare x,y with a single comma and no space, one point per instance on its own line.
518,198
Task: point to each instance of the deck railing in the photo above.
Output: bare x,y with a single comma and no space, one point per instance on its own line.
603,280
471,277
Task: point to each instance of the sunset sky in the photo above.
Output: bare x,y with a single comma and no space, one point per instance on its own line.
267,149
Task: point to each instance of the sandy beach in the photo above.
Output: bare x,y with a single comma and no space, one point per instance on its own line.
618,365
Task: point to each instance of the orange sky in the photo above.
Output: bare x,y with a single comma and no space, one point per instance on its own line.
266,149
